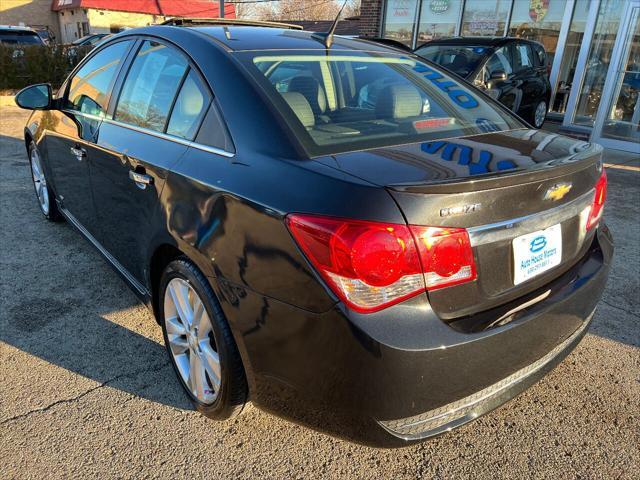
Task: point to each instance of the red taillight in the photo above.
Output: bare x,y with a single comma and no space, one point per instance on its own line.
446,256
598,201
372,265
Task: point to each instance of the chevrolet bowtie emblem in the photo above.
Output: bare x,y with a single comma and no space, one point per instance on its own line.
558,191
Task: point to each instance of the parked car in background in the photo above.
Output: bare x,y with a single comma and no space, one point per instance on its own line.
90,40
345,235
45,33
511,70
20,36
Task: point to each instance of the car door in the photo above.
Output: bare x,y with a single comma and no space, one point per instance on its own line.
502,89
72,136
162,100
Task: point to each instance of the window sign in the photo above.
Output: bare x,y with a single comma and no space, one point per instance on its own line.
438,19
485,18
400,20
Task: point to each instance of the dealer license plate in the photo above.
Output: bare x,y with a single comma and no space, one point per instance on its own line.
535,253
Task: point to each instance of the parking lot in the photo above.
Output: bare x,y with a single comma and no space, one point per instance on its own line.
86,388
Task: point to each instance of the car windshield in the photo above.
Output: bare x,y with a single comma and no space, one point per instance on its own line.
343,102
462,60
17,37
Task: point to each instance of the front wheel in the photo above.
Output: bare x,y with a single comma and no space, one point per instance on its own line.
199,342
539,114
44,193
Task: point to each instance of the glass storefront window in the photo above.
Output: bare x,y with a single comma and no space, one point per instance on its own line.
595,71
485,17
400,20
623,113
538,21
438,19
570,55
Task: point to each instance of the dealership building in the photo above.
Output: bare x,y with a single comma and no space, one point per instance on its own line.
593,48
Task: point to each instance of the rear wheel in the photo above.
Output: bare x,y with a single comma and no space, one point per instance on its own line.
539,114
44,193
199,342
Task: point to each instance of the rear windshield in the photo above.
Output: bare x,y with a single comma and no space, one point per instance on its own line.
343,102
462,60
19,38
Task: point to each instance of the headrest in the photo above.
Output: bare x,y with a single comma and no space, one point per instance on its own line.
312,91
399,101
300,107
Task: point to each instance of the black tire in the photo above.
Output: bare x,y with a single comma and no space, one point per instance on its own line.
232,394
52,214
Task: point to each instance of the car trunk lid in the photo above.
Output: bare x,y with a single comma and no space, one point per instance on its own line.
498,186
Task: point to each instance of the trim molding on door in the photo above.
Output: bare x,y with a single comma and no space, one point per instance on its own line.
141,290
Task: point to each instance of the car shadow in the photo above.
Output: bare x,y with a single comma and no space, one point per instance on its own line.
62,303
64,334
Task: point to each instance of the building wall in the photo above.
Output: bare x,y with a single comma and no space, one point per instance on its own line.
106,21
100,21
69,28
370,15
29,12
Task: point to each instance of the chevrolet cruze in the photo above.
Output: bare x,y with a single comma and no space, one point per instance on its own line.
339,232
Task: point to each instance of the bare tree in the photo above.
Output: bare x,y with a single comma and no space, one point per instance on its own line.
297,9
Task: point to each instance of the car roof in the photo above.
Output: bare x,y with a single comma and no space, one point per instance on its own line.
242,38
476,41
17,28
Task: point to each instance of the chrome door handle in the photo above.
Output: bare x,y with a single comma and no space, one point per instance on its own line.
141,179
79,152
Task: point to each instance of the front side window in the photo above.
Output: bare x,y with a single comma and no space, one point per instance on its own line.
342,102
151,86
498,62
91,84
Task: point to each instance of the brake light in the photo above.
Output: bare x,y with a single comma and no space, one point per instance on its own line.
446,256
598,201
372,265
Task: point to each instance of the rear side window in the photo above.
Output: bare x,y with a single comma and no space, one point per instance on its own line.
540,56
17,37
522,58
151,86
90,85
190,107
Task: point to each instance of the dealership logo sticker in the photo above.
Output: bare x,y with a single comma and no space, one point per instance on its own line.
558,191
439,6
538,244
538,9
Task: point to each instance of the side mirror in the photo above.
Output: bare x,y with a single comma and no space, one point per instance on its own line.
35,97
499,75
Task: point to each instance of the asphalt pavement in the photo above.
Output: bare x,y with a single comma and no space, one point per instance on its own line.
86,389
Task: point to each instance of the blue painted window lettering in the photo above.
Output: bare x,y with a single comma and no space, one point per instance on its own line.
459,97
538,244
465,156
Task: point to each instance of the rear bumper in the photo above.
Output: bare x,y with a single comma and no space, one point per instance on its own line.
403,374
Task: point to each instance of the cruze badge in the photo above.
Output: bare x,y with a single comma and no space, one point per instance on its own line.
558,191
462,209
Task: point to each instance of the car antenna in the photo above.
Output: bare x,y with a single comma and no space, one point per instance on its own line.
327,37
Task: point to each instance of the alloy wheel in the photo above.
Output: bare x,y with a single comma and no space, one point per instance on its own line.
39,181
191,340
540,114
